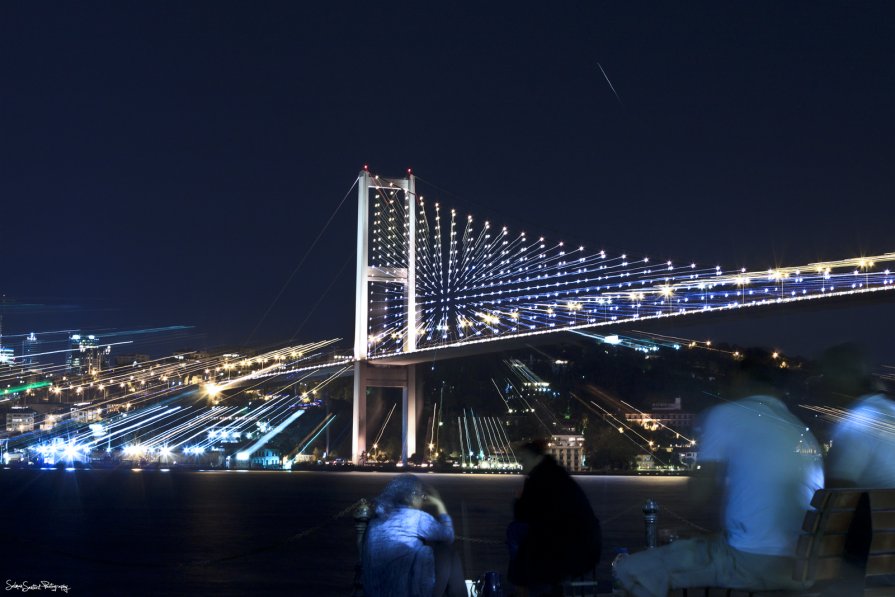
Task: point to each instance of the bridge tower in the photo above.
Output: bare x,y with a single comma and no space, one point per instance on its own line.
366,374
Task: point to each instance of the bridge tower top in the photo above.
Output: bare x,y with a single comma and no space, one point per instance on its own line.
400,271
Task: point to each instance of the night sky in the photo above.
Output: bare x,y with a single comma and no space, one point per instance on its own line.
171,163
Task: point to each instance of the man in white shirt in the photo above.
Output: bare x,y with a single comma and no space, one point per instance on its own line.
768,465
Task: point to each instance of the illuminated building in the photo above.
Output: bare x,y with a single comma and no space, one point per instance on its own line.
20,419
664,415
267,458
30,349
48,423
83,413
86,354
568,450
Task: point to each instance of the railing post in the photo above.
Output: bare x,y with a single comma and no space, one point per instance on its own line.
650,520
362,515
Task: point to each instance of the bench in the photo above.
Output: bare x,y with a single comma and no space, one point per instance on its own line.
881,555
847,547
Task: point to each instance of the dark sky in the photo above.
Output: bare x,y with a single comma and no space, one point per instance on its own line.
172,162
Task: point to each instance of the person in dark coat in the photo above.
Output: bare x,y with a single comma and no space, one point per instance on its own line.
554,534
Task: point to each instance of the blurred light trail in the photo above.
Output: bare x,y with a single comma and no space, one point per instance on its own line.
611,86
169,328
262,441
40,354
622,427
320,429
26,387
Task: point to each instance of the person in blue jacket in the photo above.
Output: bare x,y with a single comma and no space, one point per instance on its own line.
408,551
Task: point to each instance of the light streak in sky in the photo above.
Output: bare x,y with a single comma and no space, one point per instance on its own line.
40,354
611,86
168,328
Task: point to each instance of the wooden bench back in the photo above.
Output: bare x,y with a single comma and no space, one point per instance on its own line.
881,555
820,554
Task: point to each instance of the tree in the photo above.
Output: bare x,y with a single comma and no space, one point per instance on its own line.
607,448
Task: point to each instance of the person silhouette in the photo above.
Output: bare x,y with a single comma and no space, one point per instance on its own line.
407,551
862,450
554,534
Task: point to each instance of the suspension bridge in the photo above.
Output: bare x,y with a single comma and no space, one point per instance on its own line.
431,282
429,279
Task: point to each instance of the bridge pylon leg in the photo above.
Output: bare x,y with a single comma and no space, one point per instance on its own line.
359,412
403,377
412,406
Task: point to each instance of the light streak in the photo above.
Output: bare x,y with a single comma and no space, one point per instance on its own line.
40,354
316,435
605,76
382,429
262,441
460,435
645,447
877,422
466,430
25,387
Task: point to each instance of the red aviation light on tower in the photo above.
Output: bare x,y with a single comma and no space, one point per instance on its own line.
366,168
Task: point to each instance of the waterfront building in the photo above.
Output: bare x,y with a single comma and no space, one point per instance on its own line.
663,415
568,450
267,458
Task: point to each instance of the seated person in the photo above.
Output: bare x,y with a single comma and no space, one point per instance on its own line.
863,441
408,551
554,534
863,446
767,465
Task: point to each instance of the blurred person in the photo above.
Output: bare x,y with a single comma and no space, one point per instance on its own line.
862,453
407,551
554,534
767,465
